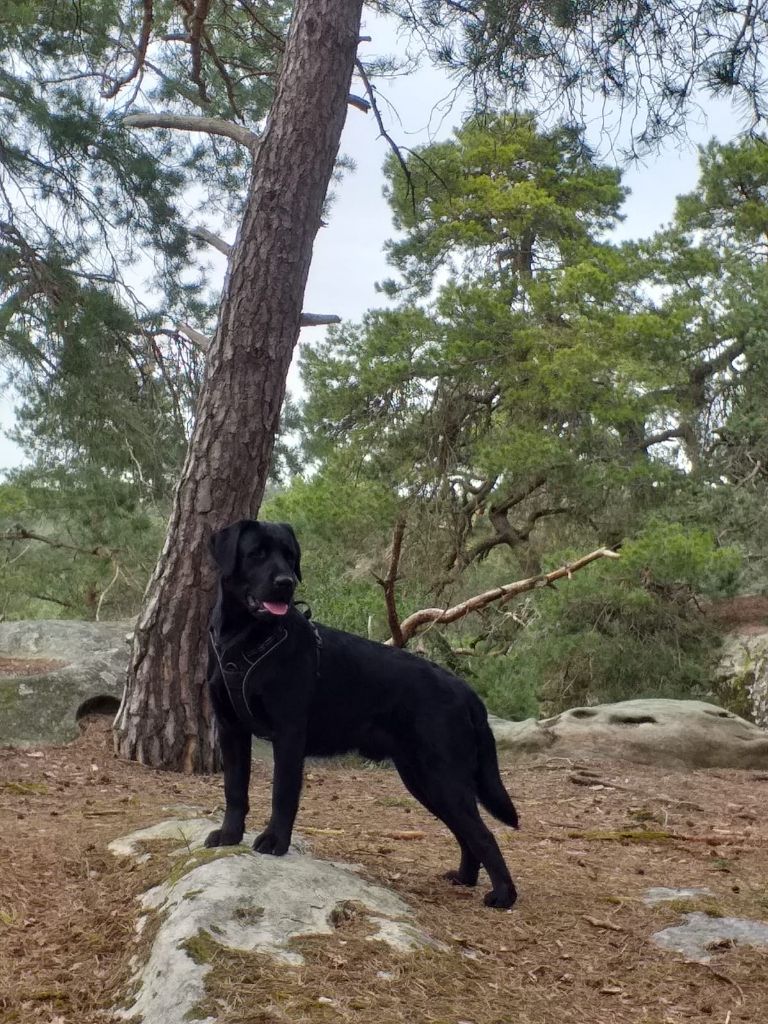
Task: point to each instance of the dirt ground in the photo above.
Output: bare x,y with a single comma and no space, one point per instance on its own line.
575,949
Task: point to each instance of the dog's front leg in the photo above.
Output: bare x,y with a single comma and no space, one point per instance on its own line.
286,789
235,744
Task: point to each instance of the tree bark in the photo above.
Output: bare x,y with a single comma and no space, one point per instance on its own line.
165,719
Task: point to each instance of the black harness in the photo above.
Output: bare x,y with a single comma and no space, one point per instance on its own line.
238,666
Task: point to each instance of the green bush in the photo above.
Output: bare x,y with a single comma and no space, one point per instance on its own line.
624,629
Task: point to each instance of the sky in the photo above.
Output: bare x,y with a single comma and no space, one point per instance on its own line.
348,256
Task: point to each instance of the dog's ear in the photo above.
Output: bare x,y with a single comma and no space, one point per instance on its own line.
223,546
296,547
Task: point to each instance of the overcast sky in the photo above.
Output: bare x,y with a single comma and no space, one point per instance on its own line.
348,258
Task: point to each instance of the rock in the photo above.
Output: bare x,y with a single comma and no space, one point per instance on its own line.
44,708
701,936
244,901
671,733
743,670
661,894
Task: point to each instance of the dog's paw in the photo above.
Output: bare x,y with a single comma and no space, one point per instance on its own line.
271,843
222,837
501,899
456,878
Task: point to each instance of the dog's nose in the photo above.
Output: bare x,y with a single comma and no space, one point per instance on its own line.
284,582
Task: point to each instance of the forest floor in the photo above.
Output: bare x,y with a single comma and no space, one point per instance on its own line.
577,947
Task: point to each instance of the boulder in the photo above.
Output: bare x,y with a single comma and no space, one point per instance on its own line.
82,670
241,900
743,671
671,733
701,936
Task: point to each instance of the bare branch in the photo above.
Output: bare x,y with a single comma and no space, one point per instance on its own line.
662,436
192,123
384,133
205,235
20,533
140,54
319,319
443,616
389,581
197,12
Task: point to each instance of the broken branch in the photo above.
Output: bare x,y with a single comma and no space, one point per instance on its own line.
208,236
192,123
359,102
319,319
199,340
444,616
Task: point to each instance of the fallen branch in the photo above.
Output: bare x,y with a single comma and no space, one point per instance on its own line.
598,922
193,123
444,616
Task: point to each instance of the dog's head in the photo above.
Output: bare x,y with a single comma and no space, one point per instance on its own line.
259,563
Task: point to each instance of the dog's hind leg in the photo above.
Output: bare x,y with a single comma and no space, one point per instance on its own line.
469,866
456,806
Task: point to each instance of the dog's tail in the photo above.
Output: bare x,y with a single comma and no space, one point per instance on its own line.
490,789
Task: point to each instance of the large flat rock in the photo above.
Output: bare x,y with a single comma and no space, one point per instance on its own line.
672,733
244,901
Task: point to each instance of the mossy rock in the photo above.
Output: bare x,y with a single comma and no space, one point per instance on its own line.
90,661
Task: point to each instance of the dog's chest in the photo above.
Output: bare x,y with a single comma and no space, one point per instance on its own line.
247,699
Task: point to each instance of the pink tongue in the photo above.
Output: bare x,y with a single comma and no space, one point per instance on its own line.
275,607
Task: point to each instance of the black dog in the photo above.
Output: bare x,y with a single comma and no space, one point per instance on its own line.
312,690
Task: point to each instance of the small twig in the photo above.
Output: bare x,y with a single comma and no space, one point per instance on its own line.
107,590
17,557
597,922
730,981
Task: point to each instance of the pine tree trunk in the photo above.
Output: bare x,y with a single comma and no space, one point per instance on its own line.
165,719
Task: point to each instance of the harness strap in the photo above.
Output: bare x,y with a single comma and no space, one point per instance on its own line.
236,680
